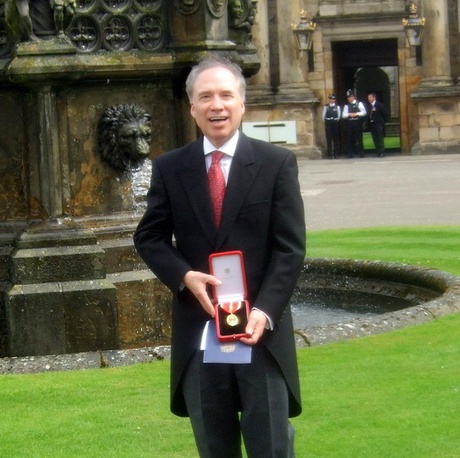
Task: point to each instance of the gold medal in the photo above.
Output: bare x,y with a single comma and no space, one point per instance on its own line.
230,307
232,320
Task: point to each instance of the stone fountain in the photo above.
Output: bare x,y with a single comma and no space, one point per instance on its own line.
89,91
375,296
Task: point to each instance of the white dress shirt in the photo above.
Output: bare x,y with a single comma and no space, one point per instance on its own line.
225,163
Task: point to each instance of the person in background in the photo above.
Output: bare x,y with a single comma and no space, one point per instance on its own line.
331,118
354,114
377,119
263,217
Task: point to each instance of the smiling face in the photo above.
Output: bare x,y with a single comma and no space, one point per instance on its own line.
217,104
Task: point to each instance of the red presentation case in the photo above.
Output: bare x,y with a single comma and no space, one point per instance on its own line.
232,308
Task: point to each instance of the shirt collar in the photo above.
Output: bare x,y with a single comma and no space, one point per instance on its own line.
228,148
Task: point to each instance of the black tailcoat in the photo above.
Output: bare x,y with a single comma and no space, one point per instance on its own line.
262,216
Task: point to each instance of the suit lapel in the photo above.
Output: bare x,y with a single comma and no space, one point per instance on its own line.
195,182
243,171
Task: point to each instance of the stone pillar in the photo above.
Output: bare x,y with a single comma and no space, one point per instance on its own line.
293,63
50,160
199,25
435,47
279,96
259,85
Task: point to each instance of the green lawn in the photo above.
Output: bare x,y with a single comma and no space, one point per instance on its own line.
389,395
389,142
436,247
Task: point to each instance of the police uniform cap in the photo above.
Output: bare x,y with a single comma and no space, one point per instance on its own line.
350,93
332,96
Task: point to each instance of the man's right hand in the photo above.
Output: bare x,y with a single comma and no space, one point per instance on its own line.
197,283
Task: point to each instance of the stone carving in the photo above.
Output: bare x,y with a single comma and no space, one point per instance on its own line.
31,20
150,33
217,7
118,34
17,15
119,25
28,19
124,136
85,34
88,26
148,6
241,15
6,37
187,6
63,11
115,5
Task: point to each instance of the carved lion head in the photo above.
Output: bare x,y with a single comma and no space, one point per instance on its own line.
124,136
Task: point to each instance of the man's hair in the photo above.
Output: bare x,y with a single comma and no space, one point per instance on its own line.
215,61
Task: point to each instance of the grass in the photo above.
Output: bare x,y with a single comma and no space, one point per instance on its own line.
395,395
436,247
116,412
389,142
389,395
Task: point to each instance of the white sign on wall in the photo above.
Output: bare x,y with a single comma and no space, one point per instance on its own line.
280,132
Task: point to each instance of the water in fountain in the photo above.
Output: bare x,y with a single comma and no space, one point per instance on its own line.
320,306
140,185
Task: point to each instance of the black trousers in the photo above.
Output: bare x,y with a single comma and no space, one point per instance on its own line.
227,401
354,137
378,137
332,138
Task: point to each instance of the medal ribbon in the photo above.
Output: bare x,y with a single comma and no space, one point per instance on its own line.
231,307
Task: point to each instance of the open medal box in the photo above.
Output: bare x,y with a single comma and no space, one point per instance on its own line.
232,308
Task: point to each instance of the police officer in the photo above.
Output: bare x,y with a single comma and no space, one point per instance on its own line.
354,114
331,118
377,119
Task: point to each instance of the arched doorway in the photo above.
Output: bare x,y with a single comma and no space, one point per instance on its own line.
369,66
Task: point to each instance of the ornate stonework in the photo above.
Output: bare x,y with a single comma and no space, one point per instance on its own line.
187,6
90,25
125,136
217,7
241,14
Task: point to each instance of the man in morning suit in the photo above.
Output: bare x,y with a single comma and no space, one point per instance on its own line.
262,216
377,119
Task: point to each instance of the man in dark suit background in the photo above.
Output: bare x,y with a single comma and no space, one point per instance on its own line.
262,216
377,119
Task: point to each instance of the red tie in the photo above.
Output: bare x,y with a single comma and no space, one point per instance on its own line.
216,181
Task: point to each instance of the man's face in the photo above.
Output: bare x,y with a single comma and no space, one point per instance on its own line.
370,98
217,105
351,98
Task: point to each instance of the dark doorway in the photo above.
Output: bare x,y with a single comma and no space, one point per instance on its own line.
369,66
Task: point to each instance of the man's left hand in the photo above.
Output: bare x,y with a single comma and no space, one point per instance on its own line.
255,327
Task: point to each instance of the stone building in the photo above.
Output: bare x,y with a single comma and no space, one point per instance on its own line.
360,44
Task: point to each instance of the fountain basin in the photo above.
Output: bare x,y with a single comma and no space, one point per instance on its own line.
342,298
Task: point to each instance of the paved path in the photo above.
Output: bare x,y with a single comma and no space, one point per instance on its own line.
391,191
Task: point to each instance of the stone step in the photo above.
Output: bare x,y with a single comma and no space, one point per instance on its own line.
55,264
61,317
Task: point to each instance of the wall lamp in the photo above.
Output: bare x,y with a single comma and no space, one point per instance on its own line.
303,32
414,26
